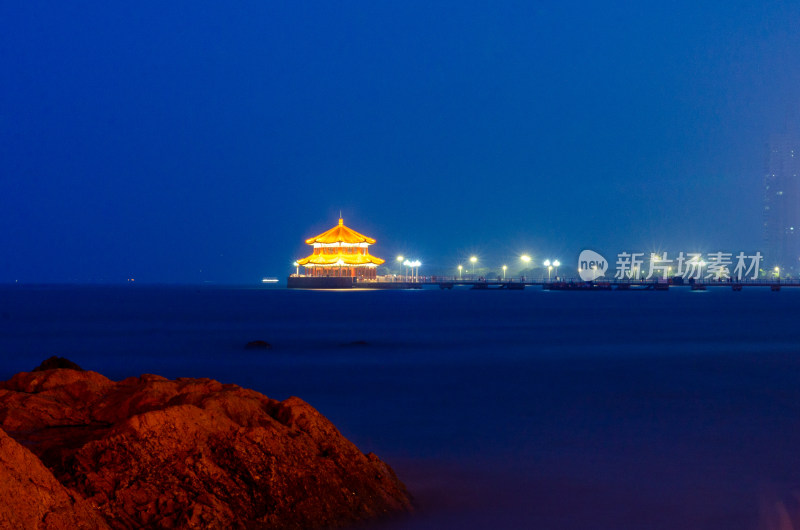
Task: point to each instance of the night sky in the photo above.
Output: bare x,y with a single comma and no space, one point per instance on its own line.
204,141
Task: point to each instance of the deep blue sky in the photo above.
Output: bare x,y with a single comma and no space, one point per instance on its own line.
172,141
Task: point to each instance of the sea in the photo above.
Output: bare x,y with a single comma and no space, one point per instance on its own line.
532,409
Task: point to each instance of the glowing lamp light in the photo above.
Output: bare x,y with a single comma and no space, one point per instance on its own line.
525,258
400,258
412,265
549,268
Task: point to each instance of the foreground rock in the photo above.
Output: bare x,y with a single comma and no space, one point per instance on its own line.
31,497
191,453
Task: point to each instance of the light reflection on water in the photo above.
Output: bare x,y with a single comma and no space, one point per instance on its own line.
532,409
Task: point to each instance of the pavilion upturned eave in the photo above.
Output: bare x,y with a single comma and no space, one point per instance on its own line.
340,234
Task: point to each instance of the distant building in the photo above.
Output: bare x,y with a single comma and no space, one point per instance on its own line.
341,252
781,223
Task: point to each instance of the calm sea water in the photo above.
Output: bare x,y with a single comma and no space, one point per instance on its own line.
532,409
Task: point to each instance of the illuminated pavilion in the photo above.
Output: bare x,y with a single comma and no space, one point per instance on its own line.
341,251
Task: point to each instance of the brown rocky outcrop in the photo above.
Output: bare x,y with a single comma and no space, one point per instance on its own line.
192,453
31,497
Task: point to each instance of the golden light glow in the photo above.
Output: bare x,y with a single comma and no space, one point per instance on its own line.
341,247
340,259
340,234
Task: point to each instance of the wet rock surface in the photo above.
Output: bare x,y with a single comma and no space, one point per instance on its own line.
189,453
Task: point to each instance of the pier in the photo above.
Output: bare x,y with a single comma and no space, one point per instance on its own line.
576,284
518,284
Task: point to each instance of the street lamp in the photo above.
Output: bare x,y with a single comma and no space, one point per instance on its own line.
526,260
414,265
400,260
556,264
459,271
504,272
473,259
297,268
549,268
778,273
